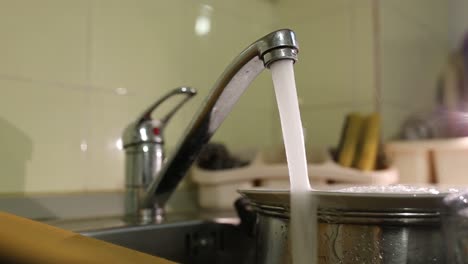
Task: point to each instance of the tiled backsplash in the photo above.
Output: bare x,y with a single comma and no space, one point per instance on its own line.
74,73
413,51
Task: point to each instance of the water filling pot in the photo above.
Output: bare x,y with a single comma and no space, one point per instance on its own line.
354,227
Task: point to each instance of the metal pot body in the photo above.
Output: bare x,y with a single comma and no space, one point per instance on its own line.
354,229
349,242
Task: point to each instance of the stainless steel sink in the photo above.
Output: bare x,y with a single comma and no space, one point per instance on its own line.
184,242
215,240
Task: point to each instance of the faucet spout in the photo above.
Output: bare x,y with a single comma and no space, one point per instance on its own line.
278,45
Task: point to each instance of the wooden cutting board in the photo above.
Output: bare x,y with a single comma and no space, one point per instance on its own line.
29,242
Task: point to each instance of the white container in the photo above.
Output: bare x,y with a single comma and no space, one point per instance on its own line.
442,161
221,196
218,189
330,172
412,161
451,161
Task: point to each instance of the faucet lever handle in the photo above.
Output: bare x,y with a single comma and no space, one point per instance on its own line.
146,115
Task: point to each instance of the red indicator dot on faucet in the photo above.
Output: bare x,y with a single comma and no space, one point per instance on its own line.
156,131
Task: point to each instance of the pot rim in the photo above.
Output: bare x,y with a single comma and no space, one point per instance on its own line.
333,202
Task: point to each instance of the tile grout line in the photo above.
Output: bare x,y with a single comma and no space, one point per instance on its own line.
377,55
86,114
352,40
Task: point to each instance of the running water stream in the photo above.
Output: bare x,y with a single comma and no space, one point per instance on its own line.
303,216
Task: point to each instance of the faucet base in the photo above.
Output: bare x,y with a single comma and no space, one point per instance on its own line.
151,215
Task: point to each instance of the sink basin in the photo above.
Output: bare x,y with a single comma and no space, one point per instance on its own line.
191,241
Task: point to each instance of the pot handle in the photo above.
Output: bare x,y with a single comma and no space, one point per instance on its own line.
247,215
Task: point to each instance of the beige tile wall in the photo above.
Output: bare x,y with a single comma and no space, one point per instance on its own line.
458,21
61,113
64,63
413,50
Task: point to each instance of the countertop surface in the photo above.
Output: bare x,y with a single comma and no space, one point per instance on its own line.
96,223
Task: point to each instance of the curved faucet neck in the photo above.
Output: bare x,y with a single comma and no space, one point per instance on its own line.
226,92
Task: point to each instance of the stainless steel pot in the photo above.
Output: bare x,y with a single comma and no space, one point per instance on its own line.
354,228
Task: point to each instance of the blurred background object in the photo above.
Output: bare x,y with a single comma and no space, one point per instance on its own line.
449,118
433,147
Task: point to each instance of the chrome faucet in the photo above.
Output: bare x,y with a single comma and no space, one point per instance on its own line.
278,45
143,143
